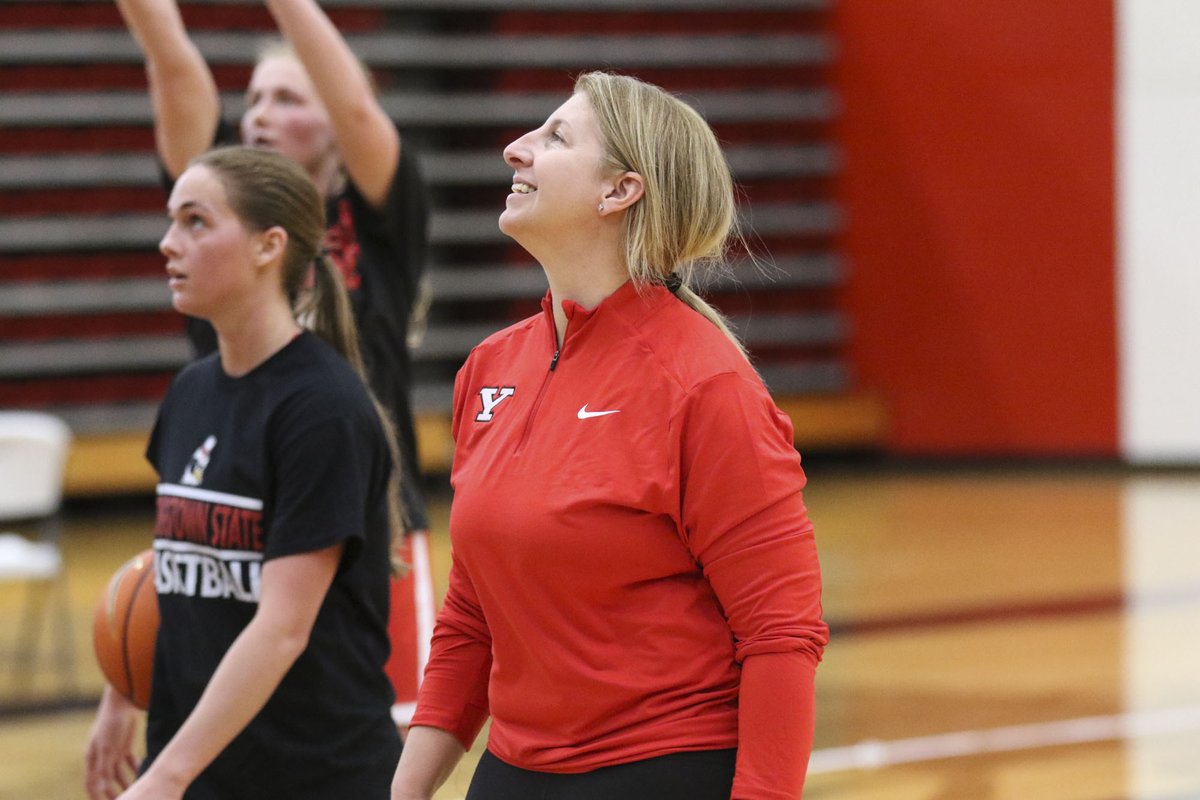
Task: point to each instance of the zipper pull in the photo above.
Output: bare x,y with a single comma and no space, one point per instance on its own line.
554,361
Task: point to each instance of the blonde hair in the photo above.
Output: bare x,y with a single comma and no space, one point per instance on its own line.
267,190
681,227
275,47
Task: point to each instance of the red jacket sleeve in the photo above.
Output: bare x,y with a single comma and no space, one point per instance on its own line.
454,692
774,747
745,521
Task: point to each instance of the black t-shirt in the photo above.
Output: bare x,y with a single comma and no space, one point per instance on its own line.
287,459
381,253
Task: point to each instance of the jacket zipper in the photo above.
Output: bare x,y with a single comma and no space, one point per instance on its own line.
537,402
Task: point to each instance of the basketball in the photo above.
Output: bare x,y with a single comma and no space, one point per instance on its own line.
125,626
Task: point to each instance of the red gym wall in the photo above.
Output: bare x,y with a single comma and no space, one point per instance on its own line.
978,192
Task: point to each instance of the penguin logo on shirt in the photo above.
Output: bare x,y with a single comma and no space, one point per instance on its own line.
193,474
491,397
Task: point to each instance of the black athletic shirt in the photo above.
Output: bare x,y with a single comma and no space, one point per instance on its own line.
381,253
286,459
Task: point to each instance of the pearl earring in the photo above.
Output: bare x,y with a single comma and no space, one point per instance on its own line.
601,208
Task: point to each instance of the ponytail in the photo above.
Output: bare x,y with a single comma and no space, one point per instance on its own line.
325,310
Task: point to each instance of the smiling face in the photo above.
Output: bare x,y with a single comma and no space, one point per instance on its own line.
211,257
558,176
284,113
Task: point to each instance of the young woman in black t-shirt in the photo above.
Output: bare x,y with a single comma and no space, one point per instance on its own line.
276,507
310,99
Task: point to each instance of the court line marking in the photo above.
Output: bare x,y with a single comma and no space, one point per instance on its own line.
875,753
1098,604
1136,601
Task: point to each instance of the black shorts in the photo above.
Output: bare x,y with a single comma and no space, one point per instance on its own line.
697,775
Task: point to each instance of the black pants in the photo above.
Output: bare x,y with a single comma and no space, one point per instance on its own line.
699,775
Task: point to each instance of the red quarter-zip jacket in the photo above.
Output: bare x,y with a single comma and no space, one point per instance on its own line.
634,571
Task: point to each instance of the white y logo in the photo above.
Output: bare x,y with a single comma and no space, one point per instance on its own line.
491,397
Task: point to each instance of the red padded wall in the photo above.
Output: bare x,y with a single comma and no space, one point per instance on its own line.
978,188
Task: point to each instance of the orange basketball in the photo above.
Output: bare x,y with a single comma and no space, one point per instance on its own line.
125,626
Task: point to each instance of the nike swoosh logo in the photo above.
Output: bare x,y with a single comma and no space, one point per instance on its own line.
585,414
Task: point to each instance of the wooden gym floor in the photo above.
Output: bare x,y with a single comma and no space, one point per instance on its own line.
998,634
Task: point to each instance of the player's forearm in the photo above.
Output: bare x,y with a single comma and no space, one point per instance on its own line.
775,725
243,682
182,90
158,29
367,139
335,71
428,758
155,24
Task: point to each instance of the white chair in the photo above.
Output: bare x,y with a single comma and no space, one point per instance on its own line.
33,458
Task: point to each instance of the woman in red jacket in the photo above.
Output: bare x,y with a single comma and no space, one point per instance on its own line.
635,593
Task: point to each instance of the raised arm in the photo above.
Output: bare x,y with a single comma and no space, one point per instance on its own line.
182,90
293,589
366,137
